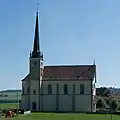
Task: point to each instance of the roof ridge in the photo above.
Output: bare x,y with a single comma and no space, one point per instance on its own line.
68,65
88,69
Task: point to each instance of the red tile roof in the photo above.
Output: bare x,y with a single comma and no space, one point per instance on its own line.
68,72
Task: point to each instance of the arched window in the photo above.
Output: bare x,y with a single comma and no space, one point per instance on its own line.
82,88
34,105
34,92
49,89
65,89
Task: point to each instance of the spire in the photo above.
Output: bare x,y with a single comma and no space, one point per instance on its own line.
36,49
95,71
94,62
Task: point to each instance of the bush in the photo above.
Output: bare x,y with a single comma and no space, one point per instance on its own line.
100,104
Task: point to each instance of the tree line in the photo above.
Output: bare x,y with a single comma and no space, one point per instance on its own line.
105,93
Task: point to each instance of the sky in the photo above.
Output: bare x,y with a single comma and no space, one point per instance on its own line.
72,32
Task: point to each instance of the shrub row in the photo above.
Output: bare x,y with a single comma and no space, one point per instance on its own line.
115,113
8,101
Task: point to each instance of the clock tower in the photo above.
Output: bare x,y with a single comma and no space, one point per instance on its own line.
34,70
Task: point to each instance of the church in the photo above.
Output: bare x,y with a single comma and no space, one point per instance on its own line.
67,88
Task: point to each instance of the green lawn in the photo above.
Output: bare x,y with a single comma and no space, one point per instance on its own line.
8,105
58,116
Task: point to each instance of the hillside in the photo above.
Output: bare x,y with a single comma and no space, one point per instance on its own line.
11,91
10,96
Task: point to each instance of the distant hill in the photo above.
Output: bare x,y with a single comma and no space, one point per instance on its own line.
10,96
11,91
114,90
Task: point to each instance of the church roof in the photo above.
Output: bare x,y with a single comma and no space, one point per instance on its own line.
68,72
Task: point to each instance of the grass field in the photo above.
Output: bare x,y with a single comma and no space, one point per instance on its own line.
58,116
8,105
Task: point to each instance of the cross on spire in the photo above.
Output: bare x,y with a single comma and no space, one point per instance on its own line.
37,7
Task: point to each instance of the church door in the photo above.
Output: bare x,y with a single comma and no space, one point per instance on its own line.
34,105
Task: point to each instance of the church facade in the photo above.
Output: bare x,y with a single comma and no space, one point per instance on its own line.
69,88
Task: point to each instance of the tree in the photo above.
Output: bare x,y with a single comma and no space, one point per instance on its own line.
107,101
113,105
103,92
100,104
118,108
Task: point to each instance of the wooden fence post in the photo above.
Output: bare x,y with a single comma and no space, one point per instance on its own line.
0,114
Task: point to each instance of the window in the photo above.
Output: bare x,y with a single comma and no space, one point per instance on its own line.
49,89
65,89
73,88
34,105
82,88
34,92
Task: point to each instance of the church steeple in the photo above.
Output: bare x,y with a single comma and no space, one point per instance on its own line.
36,48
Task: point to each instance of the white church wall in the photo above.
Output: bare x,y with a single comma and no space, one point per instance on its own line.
34,86
25,85
82,102
24,102
65,103
49,102
34,98
24,97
